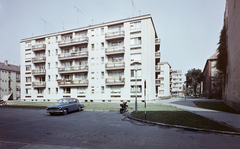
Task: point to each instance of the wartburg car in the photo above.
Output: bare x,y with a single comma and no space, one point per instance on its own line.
64,106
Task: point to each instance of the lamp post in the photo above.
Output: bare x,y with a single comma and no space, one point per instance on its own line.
136,65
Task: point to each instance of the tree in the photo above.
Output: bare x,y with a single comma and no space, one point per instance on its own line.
194,78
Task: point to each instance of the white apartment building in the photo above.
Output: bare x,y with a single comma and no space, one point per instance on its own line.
96,63
177,83
9,81
170,81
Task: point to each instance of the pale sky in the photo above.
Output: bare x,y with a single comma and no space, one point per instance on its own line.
189,29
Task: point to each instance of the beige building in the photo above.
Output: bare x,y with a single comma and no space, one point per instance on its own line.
9,81
232,22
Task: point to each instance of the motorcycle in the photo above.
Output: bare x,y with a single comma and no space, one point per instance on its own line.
123,107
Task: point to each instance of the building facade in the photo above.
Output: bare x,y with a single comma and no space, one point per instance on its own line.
176,83
209,73
107,62
231,94
164,78
9,81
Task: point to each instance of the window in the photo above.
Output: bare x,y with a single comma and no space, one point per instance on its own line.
56,51
92,89
56,39
102,74
48,52
135,41
139,73
56,77
27,91
56,64
81,90
139,89
92,33
102,89
135,25
102,44
102,31
92,61
92,73
28,67
67,90
49,78
136,57
102,60
28,79
48,65
92,45
56,90
40,91
49,91
28,56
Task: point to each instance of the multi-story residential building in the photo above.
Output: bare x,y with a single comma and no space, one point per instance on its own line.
105,62
176,82
164,79
9,81
209,74
170,81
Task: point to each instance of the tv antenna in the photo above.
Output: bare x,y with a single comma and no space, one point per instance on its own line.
78,15
132,7
45,23
63,26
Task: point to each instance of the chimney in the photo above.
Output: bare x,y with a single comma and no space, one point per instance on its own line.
6,62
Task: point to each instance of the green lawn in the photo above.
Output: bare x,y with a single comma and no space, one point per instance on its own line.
219,106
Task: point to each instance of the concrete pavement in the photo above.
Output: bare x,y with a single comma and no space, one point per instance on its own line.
230,119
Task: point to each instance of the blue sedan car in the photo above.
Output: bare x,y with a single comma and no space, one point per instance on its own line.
65,105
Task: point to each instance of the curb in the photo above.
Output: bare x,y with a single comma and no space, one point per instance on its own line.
23,107
183,127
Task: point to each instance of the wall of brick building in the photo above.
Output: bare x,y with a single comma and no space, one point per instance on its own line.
232,20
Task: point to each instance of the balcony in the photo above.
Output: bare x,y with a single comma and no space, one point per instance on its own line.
39,84
73,69
72,55
38,47
39,59
115,50
70,83
39,71
115,81
157,41
114,35
157,54
115,65
18,79
74,41
157,68
158,81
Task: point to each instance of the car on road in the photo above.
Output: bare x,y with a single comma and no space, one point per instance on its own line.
64,106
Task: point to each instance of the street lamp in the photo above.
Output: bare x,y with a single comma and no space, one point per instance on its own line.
136,65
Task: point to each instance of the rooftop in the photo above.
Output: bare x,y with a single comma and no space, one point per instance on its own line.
9,67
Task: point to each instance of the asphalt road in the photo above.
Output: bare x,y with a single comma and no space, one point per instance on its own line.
29,128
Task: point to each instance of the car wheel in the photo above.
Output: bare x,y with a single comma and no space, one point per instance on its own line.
65,111
79,109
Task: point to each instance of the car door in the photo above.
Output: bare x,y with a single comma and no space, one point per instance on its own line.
73,104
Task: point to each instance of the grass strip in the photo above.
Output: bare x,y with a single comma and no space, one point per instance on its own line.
173,116
219,106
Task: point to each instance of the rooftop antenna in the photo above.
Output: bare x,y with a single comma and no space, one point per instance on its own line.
45,23
78,15
139,12
63,26
132,7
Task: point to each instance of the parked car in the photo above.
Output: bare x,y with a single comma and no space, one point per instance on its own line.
64,106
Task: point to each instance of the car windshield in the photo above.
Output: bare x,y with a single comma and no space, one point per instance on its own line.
62,101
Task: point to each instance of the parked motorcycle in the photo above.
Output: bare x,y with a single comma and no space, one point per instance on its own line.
123,107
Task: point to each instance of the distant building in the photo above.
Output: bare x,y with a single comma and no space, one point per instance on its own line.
209,73
9,81
94,63
176,83
170,81
231,94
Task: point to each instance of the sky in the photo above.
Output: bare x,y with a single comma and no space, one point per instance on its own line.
189,29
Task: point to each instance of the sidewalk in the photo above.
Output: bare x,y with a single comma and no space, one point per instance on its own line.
188,105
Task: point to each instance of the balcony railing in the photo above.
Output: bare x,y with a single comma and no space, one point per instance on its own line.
39,71
76,82
115,34
74,41
157,41
38,47
158,81
39,84
115,81
39,59
157,54
158,68
77,54
70,69
115,65
115,50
